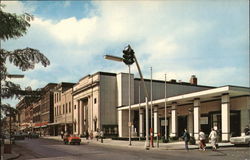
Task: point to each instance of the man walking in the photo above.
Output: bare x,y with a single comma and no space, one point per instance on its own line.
186,138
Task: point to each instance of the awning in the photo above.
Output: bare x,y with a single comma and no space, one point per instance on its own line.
53,124
40,124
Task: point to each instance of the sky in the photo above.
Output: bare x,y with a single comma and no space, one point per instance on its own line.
206,38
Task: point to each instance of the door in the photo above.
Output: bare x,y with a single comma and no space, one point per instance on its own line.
182,124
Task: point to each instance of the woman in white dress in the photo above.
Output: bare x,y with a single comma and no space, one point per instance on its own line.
213,137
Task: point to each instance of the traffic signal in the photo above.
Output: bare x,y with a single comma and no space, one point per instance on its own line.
128,55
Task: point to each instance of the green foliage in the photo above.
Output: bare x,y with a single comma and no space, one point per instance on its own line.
14,26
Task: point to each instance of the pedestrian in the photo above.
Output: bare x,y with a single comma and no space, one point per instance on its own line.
97,134
101,136
29,134
202,138
186,138
247,130
213,137
87,135
91,134
62,133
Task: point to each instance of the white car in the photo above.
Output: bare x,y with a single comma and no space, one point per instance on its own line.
241,140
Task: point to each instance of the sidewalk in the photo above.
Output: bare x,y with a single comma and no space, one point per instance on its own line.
13,155
141,144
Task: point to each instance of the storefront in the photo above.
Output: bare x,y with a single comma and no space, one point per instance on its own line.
226,109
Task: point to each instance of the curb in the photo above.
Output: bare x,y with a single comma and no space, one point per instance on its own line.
19,155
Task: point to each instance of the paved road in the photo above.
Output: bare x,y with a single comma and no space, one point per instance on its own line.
45,149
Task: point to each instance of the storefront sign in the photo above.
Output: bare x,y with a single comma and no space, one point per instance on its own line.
204,120
163,122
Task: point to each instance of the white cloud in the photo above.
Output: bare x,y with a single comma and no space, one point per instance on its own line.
17,7
163,36
67,3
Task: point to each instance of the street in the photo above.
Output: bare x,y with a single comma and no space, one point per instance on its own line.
46,149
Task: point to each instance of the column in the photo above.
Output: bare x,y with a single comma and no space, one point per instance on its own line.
81,117
173,120
156,121
78,118
141,123
191,121
196,118
123,123
225,117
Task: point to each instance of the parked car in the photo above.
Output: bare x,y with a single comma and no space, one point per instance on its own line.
241,140
72,140
18,137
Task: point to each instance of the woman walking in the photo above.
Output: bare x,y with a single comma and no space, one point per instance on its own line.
213,137
202,138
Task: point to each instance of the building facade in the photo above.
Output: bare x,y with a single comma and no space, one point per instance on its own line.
96,98
226,109
63,108
94,104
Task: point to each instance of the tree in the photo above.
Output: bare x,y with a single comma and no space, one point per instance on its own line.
15,26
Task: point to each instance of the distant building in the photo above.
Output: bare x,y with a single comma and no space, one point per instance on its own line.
63,108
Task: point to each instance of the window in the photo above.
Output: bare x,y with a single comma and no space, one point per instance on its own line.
95,101
55,111
69,107
66,107
75,106
63,108
57,97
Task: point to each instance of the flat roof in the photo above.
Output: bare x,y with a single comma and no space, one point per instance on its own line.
210,94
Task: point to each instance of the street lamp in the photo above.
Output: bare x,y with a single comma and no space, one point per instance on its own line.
119,59
127,59
113,58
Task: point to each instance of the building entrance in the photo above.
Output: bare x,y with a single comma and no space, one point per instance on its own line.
162,127
182,124
215,122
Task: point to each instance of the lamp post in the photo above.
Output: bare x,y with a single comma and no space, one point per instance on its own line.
133,59
129,104
114,58
165,107
151,110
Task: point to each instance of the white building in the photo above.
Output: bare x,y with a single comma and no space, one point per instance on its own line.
96,99
227,109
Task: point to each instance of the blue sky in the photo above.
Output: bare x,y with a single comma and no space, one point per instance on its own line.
209,39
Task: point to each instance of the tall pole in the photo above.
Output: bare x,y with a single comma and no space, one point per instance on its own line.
146,100
129,103
139,111
165,107
65,119
151,110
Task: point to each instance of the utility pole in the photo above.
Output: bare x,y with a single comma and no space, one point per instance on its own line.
151,110
129,103
139,129
165,107
129,58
